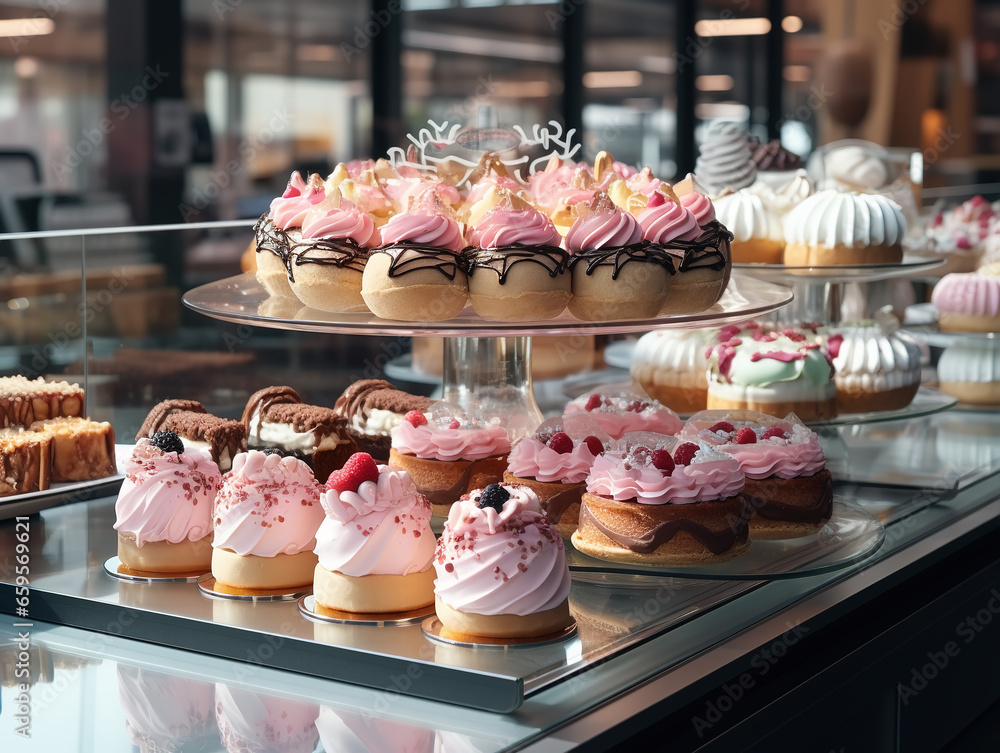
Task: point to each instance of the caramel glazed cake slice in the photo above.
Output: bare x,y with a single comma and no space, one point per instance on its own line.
25,458
198,429
24,401
372,408
277,417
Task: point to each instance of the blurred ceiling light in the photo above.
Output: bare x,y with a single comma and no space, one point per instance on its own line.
798,74
791,24
319,53
484,46
612,79
714,83
658,63
26,67
727,110
732,27
522,89
26,27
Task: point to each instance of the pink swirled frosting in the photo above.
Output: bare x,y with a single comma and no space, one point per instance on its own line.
381,529
345,221
507,562
165,710
503,227
432,229
289,209
253,721
616,420
970,294
662,223
710,476
532,458
432,443
603,230
700,206
167,496
268,505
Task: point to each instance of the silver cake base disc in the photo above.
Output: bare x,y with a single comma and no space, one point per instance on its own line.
434,630
208,586
111,567
308,607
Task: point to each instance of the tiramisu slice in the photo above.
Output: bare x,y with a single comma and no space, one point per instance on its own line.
24,461
277,417
222,438
373,408
81,449
24,401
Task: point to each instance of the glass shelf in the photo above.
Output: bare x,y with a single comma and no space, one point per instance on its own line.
921,321
241,299
839,274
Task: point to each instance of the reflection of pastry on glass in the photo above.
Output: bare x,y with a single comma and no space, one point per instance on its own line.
39,665
253,722
167,713
453,742
350,732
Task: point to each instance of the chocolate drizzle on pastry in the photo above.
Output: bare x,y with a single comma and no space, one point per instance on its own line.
411,256
271,238
367,395
501,259
617,257
189,419
260,402
705,251
334,252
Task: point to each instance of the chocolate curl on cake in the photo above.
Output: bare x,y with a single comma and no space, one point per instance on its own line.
262,400
162,411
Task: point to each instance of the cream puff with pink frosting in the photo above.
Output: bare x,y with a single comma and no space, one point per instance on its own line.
417,274
163,513
617,274
447,454
967,302
620,409
656,500
266,516
501,567
375,545
325,267
517,270
281,226
788,485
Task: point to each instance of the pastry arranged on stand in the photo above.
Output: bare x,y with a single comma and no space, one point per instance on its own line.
961,235
758,237
220,438
970,371
833,228
782,198
967,303
671,366
517,269
725,160
276,230
501,568
81,449
24,401
448,454
787,483
163,513
375,545
266,516
656,500
622,408
771,372
372,408
554,463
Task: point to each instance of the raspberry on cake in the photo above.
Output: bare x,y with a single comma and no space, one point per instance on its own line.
221,438
653,501
787,482
501,567
447,454
24,401
163,513
24,461
375,545
277,417
372,408
619,409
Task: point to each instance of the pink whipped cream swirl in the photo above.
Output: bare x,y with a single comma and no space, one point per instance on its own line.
164,709
663,221
603,230
429,229
710,476
360,732
796,454
432,443
532,458
970,294
511,562
289,209
616,421
251,721
268,505
346,221
381,529
700,206
504,227
167,496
